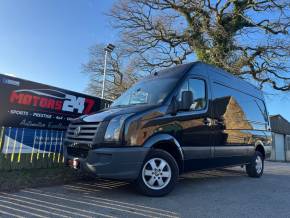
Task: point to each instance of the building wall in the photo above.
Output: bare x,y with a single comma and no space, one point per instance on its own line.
280,152
280,147
287,148
280,132
273,152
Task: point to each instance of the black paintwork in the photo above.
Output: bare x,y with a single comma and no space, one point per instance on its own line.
225,132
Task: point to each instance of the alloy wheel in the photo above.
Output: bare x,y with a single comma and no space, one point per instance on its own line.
259,164
156,173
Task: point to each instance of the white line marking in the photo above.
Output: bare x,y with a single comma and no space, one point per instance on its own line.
9,214
98,204
58,205
31,208
22,211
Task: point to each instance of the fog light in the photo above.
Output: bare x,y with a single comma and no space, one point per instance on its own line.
76,163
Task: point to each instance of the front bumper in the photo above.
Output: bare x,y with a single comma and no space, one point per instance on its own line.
114,163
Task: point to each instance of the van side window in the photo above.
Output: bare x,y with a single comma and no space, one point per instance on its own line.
247,108
198,88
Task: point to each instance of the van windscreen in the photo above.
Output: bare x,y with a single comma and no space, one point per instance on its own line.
151,92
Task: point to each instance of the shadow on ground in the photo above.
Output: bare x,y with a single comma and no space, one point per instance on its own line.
217,193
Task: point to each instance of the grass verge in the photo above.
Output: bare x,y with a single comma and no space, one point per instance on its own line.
30,178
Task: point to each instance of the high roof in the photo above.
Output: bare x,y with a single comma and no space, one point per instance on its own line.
221,76
212,71
172,72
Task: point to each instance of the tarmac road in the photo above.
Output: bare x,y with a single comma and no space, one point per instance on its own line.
218,193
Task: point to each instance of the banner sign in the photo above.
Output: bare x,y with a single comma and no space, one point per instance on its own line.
34,116
27,104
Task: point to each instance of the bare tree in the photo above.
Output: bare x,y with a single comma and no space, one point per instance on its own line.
122,71
249,38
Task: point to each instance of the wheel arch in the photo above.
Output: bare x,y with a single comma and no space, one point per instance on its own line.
259,146
168,143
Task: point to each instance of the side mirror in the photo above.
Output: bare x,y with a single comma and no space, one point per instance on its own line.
173,107
186,100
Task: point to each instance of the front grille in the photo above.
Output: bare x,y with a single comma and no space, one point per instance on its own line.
81,133
77,152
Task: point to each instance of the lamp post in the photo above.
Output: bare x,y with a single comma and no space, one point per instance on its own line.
108,49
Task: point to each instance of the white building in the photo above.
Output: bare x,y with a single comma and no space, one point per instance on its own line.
281,138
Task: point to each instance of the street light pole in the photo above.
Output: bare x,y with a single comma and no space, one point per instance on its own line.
104,75
108,49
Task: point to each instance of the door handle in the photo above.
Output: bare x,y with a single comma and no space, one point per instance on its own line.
207,121
219,122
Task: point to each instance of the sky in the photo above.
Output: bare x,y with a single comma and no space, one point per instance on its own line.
48,41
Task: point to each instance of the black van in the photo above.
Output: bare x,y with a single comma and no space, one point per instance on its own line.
190,117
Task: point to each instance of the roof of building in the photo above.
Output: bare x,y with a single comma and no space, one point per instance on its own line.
279,124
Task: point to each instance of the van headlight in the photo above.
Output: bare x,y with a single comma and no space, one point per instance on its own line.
114,128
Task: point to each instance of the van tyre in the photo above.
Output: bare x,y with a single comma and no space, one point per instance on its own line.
159,174
256,167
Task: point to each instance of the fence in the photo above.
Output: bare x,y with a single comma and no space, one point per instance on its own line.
24,148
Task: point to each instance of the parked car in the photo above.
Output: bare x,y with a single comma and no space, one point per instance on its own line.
190,117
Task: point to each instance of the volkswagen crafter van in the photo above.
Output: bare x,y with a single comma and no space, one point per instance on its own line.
186,118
